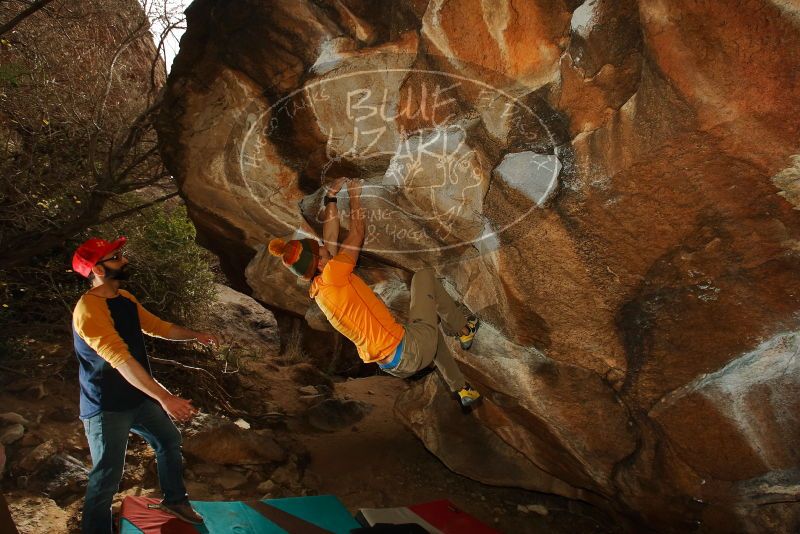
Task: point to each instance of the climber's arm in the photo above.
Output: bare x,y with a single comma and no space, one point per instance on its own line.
355,236
330,219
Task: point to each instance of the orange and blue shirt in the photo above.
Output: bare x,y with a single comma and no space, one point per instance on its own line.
355,310
107,332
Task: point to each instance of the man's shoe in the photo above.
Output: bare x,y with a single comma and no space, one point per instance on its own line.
184,512
466,339
468,396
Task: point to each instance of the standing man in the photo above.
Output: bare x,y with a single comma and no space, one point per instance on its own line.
357,312
118,392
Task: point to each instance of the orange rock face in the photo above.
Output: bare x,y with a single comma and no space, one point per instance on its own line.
611,185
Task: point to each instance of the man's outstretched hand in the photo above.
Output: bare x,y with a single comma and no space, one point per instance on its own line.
209,340
178,408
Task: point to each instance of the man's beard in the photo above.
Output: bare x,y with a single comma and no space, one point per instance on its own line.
118,274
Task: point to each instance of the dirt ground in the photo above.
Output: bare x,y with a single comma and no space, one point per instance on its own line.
379,463
375,462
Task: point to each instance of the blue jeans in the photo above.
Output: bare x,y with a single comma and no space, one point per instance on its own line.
107,433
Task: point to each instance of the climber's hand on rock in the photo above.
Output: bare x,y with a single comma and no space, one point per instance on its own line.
333,188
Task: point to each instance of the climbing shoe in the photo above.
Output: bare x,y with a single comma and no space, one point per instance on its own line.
468,396
466,339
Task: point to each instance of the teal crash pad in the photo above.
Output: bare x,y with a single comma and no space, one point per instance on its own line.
140,515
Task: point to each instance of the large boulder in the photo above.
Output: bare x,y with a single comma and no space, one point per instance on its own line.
216,440
243,320
611,185
34,514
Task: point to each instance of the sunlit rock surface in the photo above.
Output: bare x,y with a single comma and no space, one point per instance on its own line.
610,185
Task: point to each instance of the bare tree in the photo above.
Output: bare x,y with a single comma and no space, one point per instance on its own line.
77,108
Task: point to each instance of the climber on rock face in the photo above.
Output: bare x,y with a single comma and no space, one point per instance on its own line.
357,312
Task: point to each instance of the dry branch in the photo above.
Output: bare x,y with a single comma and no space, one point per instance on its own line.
208,381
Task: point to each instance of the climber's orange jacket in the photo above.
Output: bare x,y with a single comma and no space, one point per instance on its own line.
354,310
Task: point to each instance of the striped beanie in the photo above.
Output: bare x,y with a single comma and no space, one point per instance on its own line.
299,255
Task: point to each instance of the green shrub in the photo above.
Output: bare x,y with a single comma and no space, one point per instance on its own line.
170,274
11,74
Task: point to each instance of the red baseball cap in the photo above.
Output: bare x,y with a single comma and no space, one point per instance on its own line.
91,251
